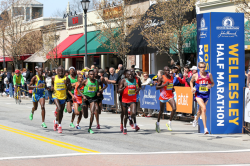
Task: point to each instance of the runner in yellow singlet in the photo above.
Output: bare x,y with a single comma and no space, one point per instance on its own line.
60,85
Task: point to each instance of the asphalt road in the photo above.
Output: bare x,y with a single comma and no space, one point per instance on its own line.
24,142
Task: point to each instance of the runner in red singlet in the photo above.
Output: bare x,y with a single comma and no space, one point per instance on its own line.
165,84
128,89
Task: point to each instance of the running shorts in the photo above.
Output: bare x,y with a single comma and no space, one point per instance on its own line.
36,97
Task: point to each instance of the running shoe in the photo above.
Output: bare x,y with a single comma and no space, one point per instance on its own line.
72,125
121,127
157,127
169,126
55,125
195,122
124,131
60,129
131,124
31,116
98,127
78,127
206,131
137,128
65,110
90,131
44,125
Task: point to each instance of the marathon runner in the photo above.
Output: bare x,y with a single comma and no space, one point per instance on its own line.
77,99
69,101
138,86
17,81
60,84
90,94
120,100
203,83
128,89
165,84
101,81
37,84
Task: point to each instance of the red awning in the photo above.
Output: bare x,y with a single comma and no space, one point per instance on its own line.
8,59
63,46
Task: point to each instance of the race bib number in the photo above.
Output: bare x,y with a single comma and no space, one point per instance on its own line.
170,86
203,89
60,86
131,92
91,89
42,87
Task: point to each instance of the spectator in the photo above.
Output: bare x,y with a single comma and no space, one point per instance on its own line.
116,71
146,80
186,75
46,72
54,72
86,74
92,67
133,67
1,82
10,80
177,70
48,81
106,73
112,77
25,82
138,73
246,75
194,70
36,68
66,73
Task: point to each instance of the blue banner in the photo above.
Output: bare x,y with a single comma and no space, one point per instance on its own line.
228,66
225,59
108,95
204,49
149,97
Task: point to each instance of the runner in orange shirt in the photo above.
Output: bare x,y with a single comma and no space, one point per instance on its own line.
165,84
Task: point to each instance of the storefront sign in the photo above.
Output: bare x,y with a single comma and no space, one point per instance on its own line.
108,95
113,12
75,20
69,14
149,97
220,44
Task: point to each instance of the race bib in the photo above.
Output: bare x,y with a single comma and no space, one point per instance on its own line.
203,89
0,78
42,87
131,92
60,86
79,94
170,86
91,89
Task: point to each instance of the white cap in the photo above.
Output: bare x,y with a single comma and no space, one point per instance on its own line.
36,67
72,68
193,68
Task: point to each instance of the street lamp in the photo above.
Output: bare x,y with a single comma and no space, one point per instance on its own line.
85,7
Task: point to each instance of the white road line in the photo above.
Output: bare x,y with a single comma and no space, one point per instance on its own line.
139,153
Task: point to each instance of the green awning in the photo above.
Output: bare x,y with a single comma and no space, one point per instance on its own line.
94,46
190,45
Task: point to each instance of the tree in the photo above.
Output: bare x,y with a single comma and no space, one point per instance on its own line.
116,22
17,33
167,26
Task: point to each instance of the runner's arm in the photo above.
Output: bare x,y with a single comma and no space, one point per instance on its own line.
32,83
68,84
52,83
105,83
192,83
139,85
159,86
79,87
121,86
212,81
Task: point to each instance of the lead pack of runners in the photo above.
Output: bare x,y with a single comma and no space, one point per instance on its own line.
76,95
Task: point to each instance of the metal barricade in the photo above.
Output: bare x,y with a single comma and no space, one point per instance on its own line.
117,105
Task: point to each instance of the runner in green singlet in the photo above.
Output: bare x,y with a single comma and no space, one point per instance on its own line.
90,93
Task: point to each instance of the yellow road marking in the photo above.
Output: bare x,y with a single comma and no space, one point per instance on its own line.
48,140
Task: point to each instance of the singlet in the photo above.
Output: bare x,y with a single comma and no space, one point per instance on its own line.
90,89
128,94
59,88
42,89
201,84
1,77
72,81
76,93
167,91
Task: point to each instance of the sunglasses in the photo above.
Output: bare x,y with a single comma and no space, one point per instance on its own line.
202,67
